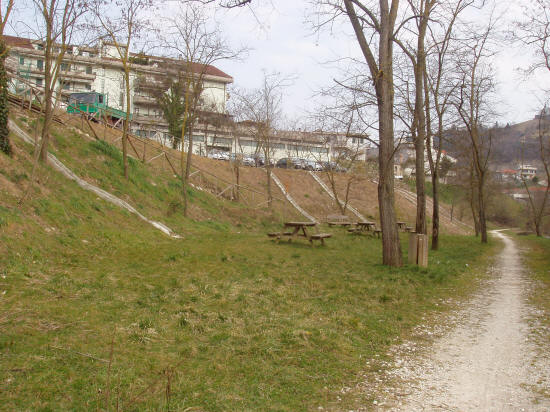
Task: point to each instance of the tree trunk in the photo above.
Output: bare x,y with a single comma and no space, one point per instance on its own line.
481,206
187,167
5,145
391,247
126,123
419,143
435,211
46,127
269,195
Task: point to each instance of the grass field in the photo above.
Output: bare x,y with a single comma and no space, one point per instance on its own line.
100,311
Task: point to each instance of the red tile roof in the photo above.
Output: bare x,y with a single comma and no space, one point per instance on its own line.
18,42
197,67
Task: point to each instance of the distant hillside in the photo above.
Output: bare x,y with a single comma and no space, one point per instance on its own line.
510,143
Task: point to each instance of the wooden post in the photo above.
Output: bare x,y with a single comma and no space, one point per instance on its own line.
422,250
144,147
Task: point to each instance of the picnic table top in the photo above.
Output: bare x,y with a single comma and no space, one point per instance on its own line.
293,224
365,224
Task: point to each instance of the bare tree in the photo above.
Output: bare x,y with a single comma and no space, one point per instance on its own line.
262,107
473,105
439,86
537,200
374,26
58,24
421,11
197,46
121,22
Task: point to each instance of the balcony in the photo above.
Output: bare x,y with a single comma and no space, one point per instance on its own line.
145,100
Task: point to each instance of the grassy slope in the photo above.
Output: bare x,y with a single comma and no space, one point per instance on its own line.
236,321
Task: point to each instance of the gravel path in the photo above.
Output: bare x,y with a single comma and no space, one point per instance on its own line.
485,358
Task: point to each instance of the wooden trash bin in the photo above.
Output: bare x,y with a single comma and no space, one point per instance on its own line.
418,249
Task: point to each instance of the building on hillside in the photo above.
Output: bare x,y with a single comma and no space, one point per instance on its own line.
507,175
526,172
99,69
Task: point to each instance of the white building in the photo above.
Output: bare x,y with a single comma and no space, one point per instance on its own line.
99,69
526,172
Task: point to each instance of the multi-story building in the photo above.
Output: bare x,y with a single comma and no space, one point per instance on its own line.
100,69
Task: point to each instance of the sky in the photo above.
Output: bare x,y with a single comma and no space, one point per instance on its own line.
283,41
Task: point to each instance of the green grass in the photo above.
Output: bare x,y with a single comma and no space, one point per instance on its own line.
537,259
101,308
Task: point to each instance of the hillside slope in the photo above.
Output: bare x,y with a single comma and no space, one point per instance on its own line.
99,310
217,177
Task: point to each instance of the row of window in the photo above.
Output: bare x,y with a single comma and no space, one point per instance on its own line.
65,67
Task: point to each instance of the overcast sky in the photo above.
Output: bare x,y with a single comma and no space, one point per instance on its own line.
282,41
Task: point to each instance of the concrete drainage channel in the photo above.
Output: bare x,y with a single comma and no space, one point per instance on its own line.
59,166
291,199
326,189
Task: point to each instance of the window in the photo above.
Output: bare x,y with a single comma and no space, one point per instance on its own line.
66,85
40,46
40,64
38,81
65,67
89,70
21,60
88,86
121,99
136,110
198,138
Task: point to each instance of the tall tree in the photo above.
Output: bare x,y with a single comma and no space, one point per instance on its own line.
58,23
263,107
537,201
416,52
121,22
5,145
197,45
374,26
473,103
173,107
439,85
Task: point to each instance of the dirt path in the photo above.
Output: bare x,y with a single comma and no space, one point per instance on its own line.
488,360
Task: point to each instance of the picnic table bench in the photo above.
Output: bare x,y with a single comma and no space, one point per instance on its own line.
338,220
299,229
363,227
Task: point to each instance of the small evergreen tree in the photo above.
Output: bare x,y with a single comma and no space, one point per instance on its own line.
173,107
5,145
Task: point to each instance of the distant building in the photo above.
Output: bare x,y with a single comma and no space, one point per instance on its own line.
526,171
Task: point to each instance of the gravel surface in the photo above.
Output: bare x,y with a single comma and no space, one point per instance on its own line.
489,356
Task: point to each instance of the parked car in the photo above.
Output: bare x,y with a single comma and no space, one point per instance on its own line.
333,166
249,161
289,163
218,155
313,165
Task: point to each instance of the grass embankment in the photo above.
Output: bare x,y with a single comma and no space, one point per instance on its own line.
537,259
98,308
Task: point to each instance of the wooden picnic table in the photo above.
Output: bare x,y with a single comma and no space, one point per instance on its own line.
299,226
362,227
299,229
401,225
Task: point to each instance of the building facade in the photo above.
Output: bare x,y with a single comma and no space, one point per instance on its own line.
100,69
